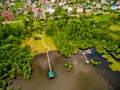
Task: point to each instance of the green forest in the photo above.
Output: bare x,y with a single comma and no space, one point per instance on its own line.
101,32
14,59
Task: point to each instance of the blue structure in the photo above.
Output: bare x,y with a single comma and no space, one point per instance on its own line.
51,74
113,5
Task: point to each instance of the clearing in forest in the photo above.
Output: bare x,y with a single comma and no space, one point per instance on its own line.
37,46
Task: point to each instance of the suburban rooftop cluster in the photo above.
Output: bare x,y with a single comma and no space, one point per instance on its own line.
46,8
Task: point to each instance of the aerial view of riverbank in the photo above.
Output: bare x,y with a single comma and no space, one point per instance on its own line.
59,45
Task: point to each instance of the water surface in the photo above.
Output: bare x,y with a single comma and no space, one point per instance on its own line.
82,77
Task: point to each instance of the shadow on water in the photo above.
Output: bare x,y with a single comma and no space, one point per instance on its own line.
112,77
82,76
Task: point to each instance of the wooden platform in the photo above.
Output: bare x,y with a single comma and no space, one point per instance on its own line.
51,74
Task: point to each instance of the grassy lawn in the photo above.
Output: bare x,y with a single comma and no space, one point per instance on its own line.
37,46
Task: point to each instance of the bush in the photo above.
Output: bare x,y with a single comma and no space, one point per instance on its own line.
95,62
68,65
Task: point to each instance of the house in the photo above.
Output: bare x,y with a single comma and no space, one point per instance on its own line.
87,1
65,7
35,9
1,4
36,14
53,7
12,4
84,5
8,3
43,2
113,7
52,1
99,5
62,3
118,5
89,6
46,5
8,15
104,8
25,12
88,11
46,10
70,9
51,11
73,0
41,15
79,9
24,8
28,3
103,1
111,2
94,3
34,5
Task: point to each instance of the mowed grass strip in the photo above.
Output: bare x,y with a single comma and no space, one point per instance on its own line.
37,46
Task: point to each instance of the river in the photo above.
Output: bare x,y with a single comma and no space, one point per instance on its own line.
81,77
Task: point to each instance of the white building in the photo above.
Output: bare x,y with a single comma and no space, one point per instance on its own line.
113,7
62,3
1,5
103,1
70,9
28,3
25,12
88,11
34,5
98,5
79,9
53,1
51,11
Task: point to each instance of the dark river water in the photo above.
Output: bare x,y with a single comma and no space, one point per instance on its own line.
81,77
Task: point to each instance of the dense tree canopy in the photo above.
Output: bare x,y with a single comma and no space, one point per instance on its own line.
85,32
13,57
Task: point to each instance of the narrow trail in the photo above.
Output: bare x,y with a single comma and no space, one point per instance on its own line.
48,58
